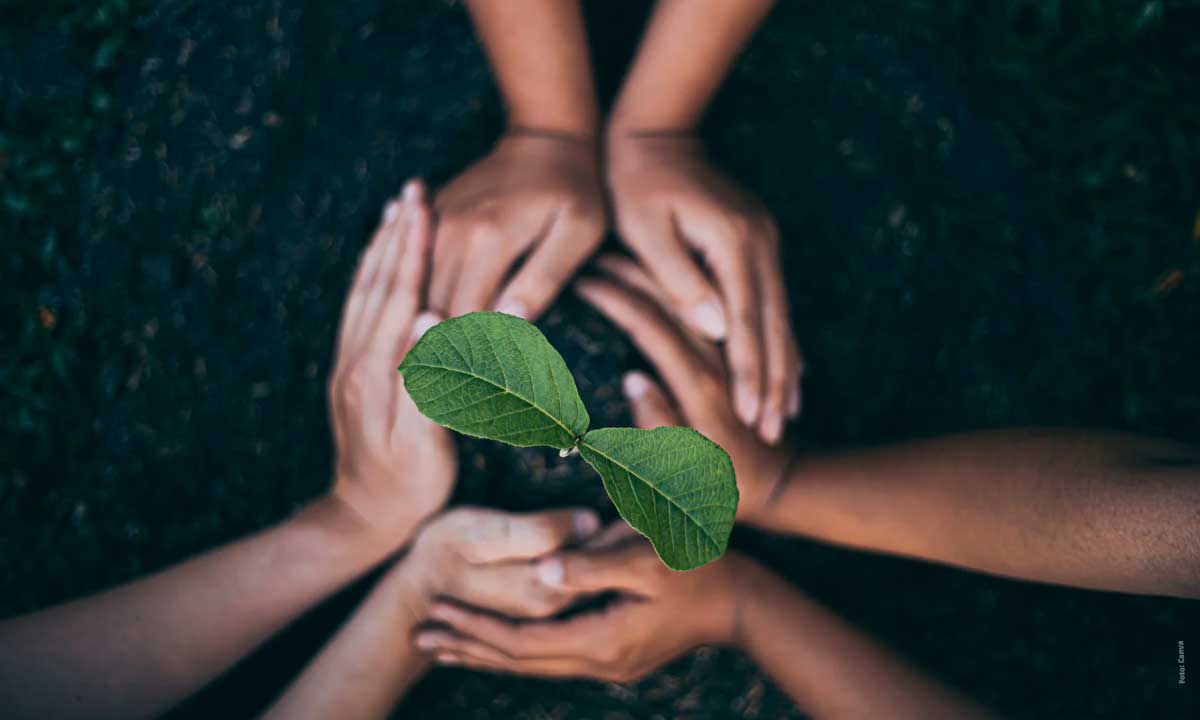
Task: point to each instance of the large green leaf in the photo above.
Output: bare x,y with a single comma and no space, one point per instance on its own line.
495,376
672,484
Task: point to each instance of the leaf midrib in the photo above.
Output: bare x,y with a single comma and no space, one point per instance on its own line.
664,496
503,389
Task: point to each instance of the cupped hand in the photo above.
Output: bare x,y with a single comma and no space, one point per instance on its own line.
394,466
532,209
697,385
489,558
657,615
671,206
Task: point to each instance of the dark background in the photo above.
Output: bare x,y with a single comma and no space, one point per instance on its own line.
990,218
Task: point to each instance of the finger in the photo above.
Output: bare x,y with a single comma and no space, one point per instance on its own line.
657,244
449,244
778,345
625,271
731,259
795,393
403,299
486,536
512,589
567,244
613,534
488,255
364,274
676,362
536,667
381,281
628,566
649,404
575,637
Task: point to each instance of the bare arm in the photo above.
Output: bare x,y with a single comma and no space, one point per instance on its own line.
686,53
137,649
539,54
831,669
1087,508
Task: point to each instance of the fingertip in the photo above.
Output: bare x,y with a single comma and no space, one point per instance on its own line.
746,404
391,212
414,191
551,572
771,428
709,318
793,402
587,522
423,323
636,384
515,308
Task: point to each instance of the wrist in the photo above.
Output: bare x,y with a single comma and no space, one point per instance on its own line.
751,584
344,528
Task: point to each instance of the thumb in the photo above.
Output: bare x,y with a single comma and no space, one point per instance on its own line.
488,536
650,406
623,567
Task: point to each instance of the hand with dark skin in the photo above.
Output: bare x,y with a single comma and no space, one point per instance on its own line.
137,649
828,667
1086,508
514,227
672,206
488,557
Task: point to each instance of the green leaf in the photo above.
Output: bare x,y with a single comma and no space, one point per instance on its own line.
671,484
495,376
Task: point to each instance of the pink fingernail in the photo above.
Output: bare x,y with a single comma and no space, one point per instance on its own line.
412,191
709,318
746,402
772,427
550,571
635,385
586,523
514,308
793,402
391,212
446,659
423,322
427,641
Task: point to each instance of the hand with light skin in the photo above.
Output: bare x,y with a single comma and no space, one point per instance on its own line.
693,373
489,558
515,226
709,244
830,668
137,649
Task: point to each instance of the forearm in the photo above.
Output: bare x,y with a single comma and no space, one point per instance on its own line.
828,667
135,650
538,51
1085,508
369,663
685,54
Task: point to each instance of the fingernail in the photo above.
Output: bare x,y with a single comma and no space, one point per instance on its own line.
391,212
427,641
422,324
441,612
412,191
446,659
635,385
772,427
550,572
793,402
746,404
515,309
586,523
710,319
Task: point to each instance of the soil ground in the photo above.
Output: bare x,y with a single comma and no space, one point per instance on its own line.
988,220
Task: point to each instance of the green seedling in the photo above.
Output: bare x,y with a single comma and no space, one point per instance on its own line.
497,377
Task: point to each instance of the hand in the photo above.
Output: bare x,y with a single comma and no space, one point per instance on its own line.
698,394
655,618
670,205
537,197
394,467
489,558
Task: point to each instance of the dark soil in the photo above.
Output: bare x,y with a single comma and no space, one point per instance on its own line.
950,268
